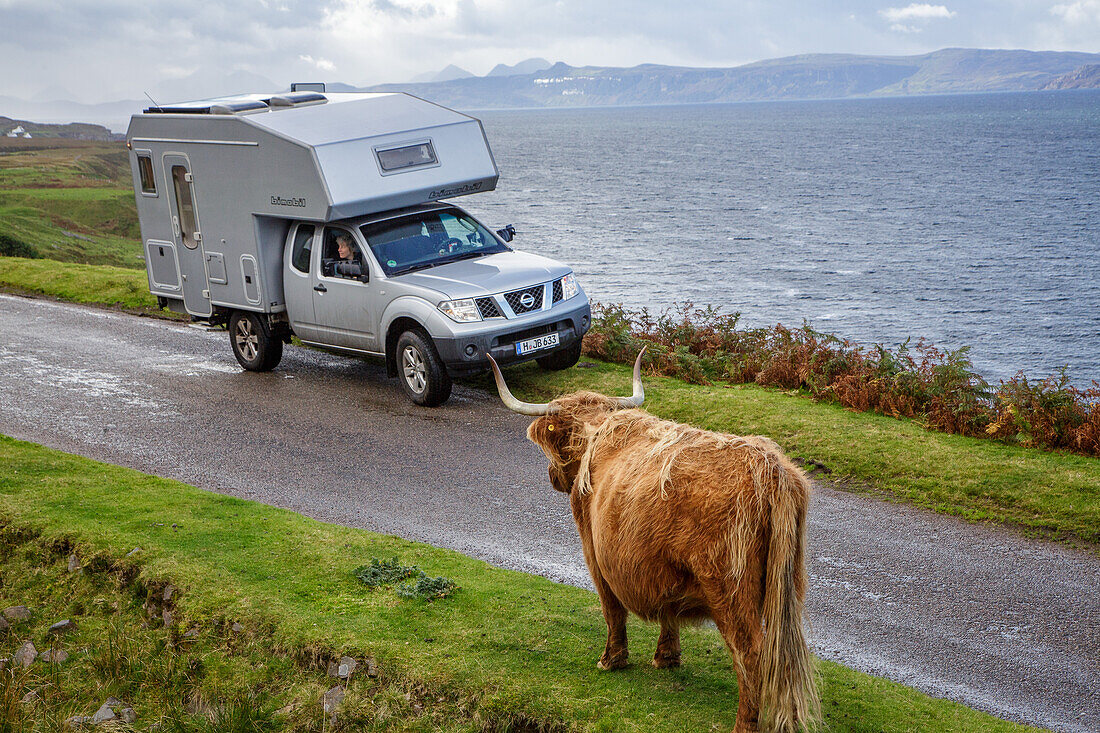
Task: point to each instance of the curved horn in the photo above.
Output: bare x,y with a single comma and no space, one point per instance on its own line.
523,408
639,391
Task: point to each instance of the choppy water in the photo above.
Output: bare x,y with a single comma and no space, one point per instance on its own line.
968,220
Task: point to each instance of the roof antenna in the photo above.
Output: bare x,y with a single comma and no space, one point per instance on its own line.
151,99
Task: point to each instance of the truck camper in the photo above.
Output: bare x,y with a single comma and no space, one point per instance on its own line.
321,215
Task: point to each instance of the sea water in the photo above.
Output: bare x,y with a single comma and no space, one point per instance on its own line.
969,220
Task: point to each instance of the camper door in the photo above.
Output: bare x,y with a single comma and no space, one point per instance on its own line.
188,235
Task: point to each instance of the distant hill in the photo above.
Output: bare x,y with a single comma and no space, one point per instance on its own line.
72,131
450,73
530,66
1086,77
815,76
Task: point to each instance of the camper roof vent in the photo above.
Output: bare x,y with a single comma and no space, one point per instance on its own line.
307,86
237,107
296,99
210,107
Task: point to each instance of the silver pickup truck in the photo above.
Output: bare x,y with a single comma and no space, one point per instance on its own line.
320,216
432,290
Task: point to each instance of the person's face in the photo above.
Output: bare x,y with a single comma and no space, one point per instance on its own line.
344,247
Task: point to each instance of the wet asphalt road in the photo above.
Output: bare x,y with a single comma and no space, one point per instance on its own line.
970,613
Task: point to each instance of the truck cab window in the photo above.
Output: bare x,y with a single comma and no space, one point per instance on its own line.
303,247
340,251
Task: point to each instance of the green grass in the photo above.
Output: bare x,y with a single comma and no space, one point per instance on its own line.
185,678
101,285
506,648
73,203
981,480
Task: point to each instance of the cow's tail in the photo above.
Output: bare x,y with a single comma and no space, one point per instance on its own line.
789,699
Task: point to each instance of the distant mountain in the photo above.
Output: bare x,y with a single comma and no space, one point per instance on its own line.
452,72
1086,77
816,76
530,66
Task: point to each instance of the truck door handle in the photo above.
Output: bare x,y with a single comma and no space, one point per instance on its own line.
320,288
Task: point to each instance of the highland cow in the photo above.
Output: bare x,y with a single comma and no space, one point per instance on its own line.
679,525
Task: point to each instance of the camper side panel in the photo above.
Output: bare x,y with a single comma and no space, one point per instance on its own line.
236,172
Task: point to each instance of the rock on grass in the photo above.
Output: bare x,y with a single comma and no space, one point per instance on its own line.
62,627
26,655
17,613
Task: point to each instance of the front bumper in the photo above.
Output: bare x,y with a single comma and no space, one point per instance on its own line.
465,354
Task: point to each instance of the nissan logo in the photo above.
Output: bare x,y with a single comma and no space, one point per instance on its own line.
527,300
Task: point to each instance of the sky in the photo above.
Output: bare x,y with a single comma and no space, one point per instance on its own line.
104,50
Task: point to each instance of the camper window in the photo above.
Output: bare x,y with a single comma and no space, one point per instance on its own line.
394,160
145,170
186,206
303,247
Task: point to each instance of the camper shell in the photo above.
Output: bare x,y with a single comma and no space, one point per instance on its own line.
227,188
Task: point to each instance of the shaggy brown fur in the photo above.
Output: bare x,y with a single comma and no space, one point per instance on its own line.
679,525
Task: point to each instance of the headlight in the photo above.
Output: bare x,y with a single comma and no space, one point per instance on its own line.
463,311
569,286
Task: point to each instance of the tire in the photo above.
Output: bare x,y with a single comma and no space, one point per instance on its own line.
561,359
253,345
421,371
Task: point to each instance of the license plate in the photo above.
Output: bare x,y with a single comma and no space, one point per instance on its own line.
536,344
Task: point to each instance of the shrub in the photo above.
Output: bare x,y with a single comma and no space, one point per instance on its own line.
939,388
12,247
387,572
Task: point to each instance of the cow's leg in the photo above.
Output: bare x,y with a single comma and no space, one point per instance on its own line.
668,645
740,626
614,613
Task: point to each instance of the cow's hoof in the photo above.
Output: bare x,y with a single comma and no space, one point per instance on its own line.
661,662
618,661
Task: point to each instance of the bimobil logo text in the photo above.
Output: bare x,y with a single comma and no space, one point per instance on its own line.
467,188
295,201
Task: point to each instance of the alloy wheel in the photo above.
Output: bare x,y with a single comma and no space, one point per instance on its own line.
248,341
416,372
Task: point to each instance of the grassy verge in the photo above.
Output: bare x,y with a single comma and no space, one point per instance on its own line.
202,678
507,651
99,285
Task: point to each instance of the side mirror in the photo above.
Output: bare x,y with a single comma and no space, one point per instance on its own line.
508,233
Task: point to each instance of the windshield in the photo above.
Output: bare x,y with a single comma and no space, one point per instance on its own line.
427,239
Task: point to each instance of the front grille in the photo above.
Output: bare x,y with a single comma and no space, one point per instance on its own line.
557,291
515,297
488,308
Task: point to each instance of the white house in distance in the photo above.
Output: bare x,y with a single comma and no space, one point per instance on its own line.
18,132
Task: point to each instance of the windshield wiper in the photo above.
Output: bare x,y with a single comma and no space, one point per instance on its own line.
414,268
